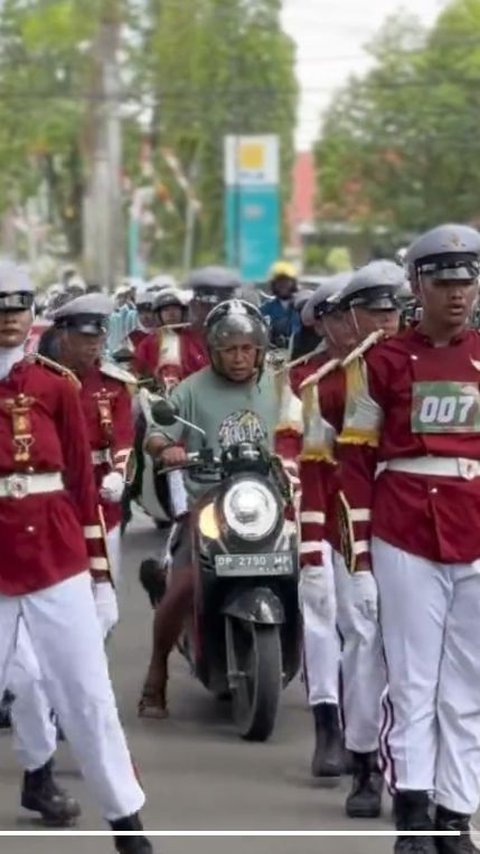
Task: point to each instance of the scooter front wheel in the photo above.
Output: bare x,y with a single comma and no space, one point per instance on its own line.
256,696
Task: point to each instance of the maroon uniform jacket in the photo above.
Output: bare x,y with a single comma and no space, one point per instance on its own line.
171,356
106,402
323,398
47,537
409,402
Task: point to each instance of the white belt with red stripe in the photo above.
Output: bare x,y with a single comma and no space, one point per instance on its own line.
21,485
436,466
101,457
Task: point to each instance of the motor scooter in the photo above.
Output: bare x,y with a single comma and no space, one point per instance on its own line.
243,637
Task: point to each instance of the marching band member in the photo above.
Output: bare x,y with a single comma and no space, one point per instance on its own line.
51,534
410,452
106,401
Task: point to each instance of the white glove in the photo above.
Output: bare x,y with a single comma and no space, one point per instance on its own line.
106,606
291,470
365,594
112,487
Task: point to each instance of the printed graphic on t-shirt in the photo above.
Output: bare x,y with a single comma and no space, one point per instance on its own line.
445,407
242,426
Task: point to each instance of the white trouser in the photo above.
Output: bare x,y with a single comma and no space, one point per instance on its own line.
316,593
35,735
430,618
65,633
362,664
114,541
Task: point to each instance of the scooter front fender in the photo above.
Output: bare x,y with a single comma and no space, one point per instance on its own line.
257,605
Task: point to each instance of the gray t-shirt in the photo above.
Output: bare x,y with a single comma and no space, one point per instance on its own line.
228,413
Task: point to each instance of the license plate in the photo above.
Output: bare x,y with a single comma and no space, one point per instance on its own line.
278,563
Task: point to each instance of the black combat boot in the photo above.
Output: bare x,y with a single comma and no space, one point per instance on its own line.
348,762
40,793
6,710
328,755
449,820
130,844
365,798
411,813
126,509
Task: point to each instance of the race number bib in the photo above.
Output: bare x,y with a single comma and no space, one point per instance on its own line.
445,407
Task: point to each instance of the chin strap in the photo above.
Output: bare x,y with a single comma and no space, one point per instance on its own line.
354,318
329,334
9,356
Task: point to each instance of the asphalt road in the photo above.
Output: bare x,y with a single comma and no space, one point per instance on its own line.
197,774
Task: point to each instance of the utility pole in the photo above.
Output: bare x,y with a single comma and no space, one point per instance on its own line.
191,214
104,250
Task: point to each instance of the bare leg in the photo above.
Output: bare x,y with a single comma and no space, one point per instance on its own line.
169,617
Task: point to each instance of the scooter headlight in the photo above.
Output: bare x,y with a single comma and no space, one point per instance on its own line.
250,510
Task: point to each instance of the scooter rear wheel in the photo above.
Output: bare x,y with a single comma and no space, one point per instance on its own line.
256,697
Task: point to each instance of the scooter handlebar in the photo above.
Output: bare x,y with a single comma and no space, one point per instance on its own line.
195,460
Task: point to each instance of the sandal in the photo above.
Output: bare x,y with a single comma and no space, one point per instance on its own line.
152,704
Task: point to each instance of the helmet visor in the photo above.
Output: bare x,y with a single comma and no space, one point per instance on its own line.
327,306
376,299
86,324
456,267
20,301
213,296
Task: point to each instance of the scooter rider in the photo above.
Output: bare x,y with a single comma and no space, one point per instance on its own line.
283,317
413,409
158,360
159,356
146,320
231,400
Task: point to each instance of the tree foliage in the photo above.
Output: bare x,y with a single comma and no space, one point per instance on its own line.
191,72
400,147
218,67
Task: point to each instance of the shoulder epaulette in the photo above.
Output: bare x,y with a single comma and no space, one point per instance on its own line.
365,345
57,367
323,370
110,369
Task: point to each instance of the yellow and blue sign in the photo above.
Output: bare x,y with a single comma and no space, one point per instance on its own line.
252,204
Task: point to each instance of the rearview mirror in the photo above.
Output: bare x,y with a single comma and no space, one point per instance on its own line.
164,413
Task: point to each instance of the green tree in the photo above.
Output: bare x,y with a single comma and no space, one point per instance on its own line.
399,147
192,71
43,67
219,67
